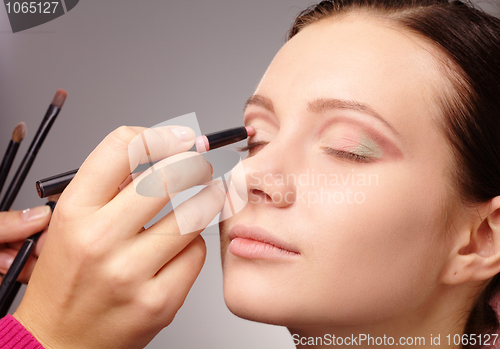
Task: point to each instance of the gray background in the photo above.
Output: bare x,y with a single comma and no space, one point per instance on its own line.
140,63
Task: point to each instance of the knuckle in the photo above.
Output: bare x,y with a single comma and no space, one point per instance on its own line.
171,176
217,196
9,218
189,219
206,170
118,278
153,303
85,251
87,247
203,165
169,141
120,138
198,252
63,213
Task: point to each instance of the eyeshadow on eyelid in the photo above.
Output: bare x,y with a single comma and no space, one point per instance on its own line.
368,148
340,127
259,133
360,145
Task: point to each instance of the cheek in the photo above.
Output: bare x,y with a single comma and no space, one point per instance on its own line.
381,243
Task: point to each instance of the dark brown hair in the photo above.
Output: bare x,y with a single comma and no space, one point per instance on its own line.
469,40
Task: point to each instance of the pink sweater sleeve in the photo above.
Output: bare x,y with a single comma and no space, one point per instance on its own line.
14,336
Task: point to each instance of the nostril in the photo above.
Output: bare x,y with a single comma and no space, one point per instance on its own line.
257,196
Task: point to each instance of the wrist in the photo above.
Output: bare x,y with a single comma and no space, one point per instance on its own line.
33,327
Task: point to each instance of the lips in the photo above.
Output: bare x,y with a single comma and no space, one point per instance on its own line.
256,243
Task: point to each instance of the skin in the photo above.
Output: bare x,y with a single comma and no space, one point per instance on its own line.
15,226
383,266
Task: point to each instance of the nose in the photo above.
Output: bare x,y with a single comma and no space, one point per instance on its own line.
268,177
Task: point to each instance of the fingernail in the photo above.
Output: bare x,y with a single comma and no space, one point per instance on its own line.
32,214
211,169
6,261
185,134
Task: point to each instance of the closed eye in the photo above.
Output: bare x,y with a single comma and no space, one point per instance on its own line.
251,145
346,155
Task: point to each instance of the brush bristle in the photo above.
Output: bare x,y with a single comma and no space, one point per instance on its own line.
59,98
19,132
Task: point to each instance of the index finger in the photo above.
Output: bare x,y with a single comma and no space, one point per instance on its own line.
98,179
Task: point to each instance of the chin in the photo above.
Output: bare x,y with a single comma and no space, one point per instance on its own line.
263,292
257,305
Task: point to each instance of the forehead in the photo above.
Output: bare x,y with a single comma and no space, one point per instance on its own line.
363,58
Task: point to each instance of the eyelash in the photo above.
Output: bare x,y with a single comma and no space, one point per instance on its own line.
346,155
338,153
251,146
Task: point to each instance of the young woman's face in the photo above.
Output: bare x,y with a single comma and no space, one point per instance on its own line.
347,193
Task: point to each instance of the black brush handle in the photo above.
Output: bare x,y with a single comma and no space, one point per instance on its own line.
222,138
7,161
54,185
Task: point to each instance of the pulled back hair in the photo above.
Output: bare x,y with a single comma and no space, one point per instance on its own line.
469,40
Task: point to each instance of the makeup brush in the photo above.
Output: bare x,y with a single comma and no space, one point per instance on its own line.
56,184
29,158
9,286
17,137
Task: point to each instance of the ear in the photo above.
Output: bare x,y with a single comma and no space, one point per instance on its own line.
475,252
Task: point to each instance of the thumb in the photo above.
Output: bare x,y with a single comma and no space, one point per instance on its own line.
18,225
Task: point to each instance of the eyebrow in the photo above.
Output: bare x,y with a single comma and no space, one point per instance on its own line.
260,101
322,105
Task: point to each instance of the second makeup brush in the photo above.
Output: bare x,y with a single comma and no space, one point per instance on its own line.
17,137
